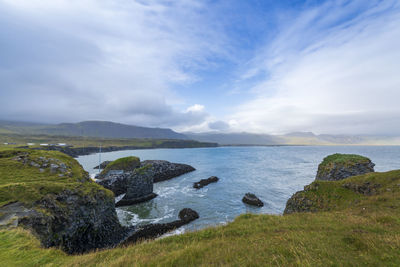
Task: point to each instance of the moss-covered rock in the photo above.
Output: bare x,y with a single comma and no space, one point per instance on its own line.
347,193
340,166
50,194
126,164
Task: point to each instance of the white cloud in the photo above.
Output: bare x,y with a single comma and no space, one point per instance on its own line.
329,79
195,108
108,60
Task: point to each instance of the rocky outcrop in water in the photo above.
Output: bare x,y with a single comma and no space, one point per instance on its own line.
138,184
155,230
340,166
252,199
204,182
164,170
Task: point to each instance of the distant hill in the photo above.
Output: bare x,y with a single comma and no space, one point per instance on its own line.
236,138
106,129
295,138
103,129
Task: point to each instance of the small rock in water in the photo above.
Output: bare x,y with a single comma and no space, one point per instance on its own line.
252,199
204,182
187,215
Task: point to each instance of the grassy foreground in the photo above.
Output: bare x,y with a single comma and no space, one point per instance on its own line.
352,229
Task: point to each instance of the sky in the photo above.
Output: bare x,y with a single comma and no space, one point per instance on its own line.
259,66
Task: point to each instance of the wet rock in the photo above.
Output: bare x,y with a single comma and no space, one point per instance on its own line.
252,199
151,231
188,215
204,182
164,170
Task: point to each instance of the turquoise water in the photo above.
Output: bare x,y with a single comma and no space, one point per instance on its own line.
272,173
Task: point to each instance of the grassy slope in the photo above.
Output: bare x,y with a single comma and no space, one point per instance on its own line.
26,184
357,230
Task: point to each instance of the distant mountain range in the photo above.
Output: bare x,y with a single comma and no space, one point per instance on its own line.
107,129
103,129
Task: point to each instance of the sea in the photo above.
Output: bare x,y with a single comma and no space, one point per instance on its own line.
273,173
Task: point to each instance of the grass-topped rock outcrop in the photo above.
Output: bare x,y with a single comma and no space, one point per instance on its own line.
50,194
341,181
135,179
340,166
126,164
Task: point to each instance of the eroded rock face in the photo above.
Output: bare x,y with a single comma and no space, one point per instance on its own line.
137,186
71,220
164,170
252,199
340,166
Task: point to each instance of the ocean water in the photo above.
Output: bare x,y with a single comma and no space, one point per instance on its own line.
272,173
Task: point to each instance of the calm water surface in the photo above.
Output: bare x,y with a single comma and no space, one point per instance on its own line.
272,173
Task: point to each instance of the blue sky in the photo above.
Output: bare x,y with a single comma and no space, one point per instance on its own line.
256,66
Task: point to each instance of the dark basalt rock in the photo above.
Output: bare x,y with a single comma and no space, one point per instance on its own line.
137,186
159,170
188,215
204,182
163,170
103,165
118,183
151,231
340,166
252,199
73,221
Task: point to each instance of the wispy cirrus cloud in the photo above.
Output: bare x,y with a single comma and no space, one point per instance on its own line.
332,68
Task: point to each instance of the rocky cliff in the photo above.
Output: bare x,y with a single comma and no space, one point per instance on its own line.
340,166
58,202
334,184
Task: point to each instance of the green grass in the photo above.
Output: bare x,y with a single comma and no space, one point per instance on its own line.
126,164
25,183
343,159
350,229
